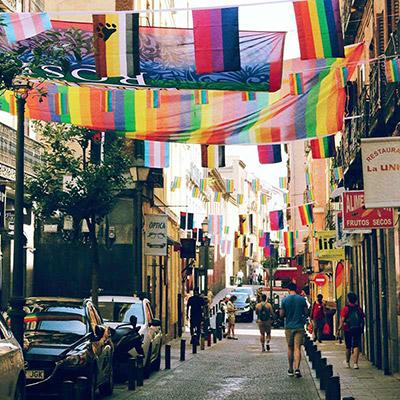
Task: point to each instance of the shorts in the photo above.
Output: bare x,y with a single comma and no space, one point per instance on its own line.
352,338
231,319
265,327
294,337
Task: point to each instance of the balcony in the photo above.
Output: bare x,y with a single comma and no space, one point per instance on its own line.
9,5
33,150
352,12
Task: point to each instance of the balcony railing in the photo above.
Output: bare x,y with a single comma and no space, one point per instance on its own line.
352,12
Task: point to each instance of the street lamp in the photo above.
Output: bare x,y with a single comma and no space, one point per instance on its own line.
139,176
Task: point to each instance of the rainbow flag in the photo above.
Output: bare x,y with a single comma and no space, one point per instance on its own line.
20,26
306,214
229,184
342,76
116,42
249,96
176,183
203,184
323,147
153,98
156,154
269,153
217,197
283,181
286,198
339,286
195,192
215,224
263,199
276,220
308,177
338,173
319,28
212,156
296,82
201,97
255,185
392,69
226,230
288,239
216,40
239,199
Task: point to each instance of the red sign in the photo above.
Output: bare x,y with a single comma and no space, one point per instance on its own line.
320,279
356,216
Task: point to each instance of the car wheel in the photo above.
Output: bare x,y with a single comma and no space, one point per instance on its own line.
157,362
20,391
106,389
147,367
92,387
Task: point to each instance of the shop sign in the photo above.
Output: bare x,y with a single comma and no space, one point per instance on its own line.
356,216
381,171
326,246
155,232
320,279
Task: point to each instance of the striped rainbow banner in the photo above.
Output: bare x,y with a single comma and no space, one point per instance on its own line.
203,184
156,154
342,76
296,82
263,199
392,69
288,239
240,199
306,214
324,147
176,183
229,184
217,197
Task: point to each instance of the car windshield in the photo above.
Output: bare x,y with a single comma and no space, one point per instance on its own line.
121,312
241,297
243,290
60,319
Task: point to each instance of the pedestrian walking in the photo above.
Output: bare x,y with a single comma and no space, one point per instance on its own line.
318,318
254,277
195,304
264,314
260,279
352,325
210,296
239,277
230,311
294,309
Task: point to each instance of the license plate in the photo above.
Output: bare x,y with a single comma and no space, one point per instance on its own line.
35,374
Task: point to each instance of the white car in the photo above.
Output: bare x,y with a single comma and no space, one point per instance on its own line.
117,310
12,373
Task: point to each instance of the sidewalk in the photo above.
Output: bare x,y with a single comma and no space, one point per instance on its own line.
367,383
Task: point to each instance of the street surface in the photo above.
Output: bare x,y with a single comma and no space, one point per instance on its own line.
233,370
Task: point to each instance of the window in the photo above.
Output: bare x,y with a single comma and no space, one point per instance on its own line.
121,312
149,314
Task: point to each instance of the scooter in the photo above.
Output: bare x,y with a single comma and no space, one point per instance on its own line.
125,337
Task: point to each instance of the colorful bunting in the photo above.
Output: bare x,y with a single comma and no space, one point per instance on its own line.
226,230
116,42
269,153
195,192
342,76
201,97
20,26
203,185
190,220
296,82
217,197
249,96
338,173
283,182
156,154
239,199
216,40
263,199
215,224
323,147
392,69
182,224
212,156
229,184
288,239
176,183
319,28
306,214
255,185
153,98
276,220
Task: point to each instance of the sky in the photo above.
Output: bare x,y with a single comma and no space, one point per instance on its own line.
267,17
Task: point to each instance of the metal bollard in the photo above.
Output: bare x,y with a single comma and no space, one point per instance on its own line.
214,334
202,342
183,349
68,390
333,388
313,349
326,373
194,346
315,359
132,373
139,370
81,387
209,339
167,356
321,364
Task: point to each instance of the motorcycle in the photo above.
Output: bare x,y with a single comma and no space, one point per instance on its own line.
125,338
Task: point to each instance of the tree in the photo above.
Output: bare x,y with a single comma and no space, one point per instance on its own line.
78,185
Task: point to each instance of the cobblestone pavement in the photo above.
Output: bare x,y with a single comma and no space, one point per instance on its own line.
366,383
232,370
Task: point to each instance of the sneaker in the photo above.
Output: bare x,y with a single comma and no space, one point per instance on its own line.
268,347
290,372
346,364
297,373
355,366
234,338
263,349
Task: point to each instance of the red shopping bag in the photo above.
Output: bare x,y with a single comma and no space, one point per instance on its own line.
310,328
326,330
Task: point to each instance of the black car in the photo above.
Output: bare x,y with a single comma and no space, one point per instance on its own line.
244,308
66,339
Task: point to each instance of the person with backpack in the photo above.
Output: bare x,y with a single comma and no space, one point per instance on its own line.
264,313
352,325
318,318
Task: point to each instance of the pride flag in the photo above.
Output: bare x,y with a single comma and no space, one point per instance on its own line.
392,69
338,173
212,156
20,26
255,185
203,184
116,42
269,153
319,28
176,183
288,239
306,214
296,82
229,184
323,147
216,40
263,199
156,154
283,182
201,97
217,197
342,76
239,199
276,220
195,192
249,96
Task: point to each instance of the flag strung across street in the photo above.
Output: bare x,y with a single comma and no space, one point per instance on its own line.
319,28
276,220
288,239
392,70
212,156
324,147
306,214
269,154
156,154
296,83
216,40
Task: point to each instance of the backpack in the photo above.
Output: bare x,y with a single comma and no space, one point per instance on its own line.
354,318
264,313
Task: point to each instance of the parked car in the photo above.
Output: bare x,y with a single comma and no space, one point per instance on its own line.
66,339
245,311
249,290
12,374
118,309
